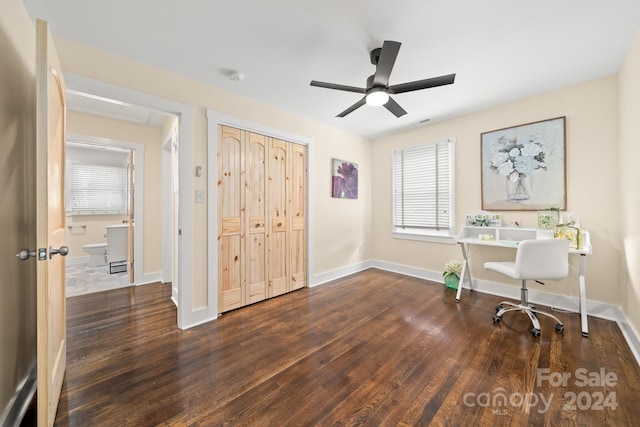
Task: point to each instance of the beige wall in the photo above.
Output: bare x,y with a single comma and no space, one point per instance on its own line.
629,262
342,228
17,198
151,138
592,183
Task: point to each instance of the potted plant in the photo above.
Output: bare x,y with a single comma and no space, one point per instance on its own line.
451,274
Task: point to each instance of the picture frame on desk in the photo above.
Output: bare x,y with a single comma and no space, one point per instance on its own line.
524,167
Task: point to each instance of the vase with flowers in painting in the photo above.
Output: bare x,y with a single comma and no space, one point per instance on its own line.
516,161
519,189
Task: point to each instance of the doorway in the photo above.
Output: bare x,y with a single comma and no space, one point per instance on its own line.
100,204
180,237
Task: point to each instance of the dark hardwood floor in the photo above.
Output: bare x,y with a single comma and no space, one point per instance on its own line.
375,348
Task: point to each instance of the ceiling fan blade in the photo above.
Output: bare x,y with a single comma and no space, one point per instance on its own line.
338,87
353,108
423,84
395,108
386,61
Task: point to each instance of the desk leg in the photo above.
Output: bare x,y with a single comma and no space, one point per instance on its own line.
583,299
464,272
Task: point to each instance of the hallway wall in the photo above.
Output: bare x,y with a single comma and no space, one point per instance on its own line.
17,202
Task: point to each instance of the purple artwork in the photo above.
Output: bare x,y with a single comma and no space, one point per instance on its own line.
344,180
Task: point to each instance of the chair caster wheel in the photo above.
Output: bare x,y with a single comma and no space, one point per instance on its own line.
496,319
559,327
498,308
535,332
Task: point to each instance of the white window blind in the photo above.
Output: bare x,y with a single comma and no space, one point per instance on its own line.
423,189
97,189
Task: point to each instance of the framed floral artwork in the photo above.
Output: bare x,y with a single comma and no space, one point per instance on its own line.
523,167
344,179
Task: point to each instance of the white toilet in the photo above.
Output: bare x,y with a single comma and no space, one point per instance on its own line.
97,254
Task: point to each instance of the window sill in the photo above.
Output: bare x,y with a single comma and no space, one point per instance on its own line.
433,238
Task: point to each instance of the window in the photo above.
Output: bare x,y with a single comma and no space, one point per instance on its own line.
423,199
97,189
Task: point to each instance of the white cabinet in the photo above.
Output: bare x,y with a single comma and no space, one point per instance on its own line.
117,243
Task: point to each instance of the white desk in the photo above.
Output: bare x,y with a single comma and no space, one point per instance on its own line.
508,237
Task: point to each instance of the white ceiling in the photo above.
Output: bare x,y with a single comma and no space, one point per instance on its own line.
500,50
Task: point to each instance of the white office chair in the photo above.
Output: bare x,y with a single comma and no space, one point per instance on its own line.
535,259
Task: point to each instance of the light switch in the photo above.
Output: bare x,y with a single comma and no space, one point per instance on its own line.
199,196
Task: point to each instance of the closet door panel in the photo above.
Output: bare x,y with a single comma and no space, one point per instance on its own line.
278,233
230,273
256,212
231,257
297,216
256,266
277,267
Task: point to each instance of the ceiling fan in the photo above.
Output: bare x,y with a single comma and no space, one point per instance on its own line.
378,90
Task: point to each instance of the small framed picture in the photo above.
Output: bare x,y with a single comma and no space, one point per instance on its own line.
344,179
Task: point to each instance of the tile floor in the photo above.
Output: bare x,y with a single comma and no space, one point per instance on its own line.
85,279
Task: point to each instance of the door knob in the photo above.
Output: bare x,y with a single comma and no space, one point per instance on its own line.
25,254
63,251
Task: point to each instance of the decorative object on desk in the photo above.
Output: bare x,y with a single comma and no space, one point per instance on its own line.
523,167
451,274
571,231
486,237
549,218
484,219
344,180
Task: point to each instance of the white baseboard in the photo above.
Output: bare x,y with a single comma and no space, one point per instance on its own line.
557,301
630,334
328,276
407,270
148,278
174,294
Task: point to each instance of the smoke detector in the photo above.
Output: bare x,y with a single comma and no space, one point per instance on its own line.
235,76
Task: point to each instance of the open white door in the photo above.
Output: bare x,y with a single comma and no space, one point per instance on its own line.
130,215
175,206
50,137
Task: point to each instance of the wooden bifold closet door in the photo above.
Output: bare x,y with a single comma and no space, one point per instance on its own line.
261,217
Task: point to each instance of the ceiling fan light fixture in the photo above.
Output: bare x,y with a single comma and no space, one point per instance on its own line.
377,96
377,90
